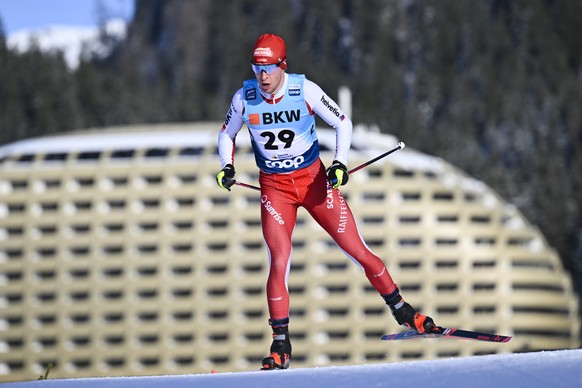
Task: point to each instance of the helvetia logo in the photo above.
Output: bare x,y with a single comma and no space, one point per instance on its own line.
333,109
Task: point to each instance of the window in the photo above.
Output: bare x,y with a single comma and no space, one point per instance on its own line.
191,151
122,154
56,157
156,153
89,156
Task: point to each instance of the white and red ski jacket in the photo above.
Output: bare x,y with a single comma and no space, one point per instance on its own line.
316,101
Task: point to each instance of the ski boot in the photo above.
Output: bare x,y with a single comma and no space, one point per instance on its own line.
407,316
280,356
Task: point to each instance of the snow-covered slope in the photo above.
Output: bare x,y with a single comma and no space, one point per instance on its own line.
71,40
542,369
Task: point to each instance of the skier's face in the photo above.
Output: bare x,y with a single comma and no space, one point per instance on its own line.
270,83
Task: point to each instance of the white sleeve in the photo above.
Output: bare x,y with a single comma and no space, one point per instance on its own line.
330,112
232,124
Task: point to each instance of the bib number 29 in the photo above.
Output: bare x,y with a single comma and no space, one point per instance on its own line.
286,137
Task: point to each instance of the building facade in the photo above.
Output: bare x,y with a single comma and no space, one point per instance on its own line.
119,255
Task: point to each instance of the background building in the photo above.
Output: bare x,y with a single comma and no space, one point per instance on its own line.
119,255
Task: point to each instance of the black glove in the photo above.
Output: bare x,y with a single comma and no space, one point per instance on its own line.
225,178
337,174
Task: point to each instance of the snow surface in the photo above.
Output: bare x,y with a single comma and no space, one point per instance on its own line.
72,41
552,369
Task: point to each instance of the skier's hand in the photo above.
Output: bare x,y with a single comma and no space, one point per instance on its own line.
225,178
337,174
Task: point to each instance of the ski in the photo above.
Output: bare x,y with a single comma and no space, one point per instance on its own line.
449,333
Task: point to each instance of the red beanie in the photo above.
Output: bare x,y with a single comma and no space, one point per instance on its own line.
269,49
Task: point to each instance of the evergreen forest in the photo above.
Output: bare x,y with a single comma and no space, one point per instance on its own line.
492,86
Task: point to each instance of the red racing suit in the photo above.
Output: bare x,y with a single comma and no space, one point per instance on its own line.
292,175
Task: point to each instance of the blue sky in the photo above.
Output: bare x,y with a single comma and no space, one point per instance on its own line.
34,14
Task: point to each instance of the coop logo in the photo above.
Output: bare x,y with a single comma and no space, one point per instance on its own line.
271,210
333,109
286,164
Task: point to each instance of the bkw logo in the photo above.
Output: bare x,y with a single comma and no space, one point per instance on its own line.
281,117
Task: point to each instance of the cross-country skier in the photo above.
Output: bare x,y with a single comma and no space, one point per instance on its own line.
279,110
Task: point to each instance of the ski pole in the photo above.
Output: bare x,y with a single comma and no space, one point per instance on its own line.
399,146
247,185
